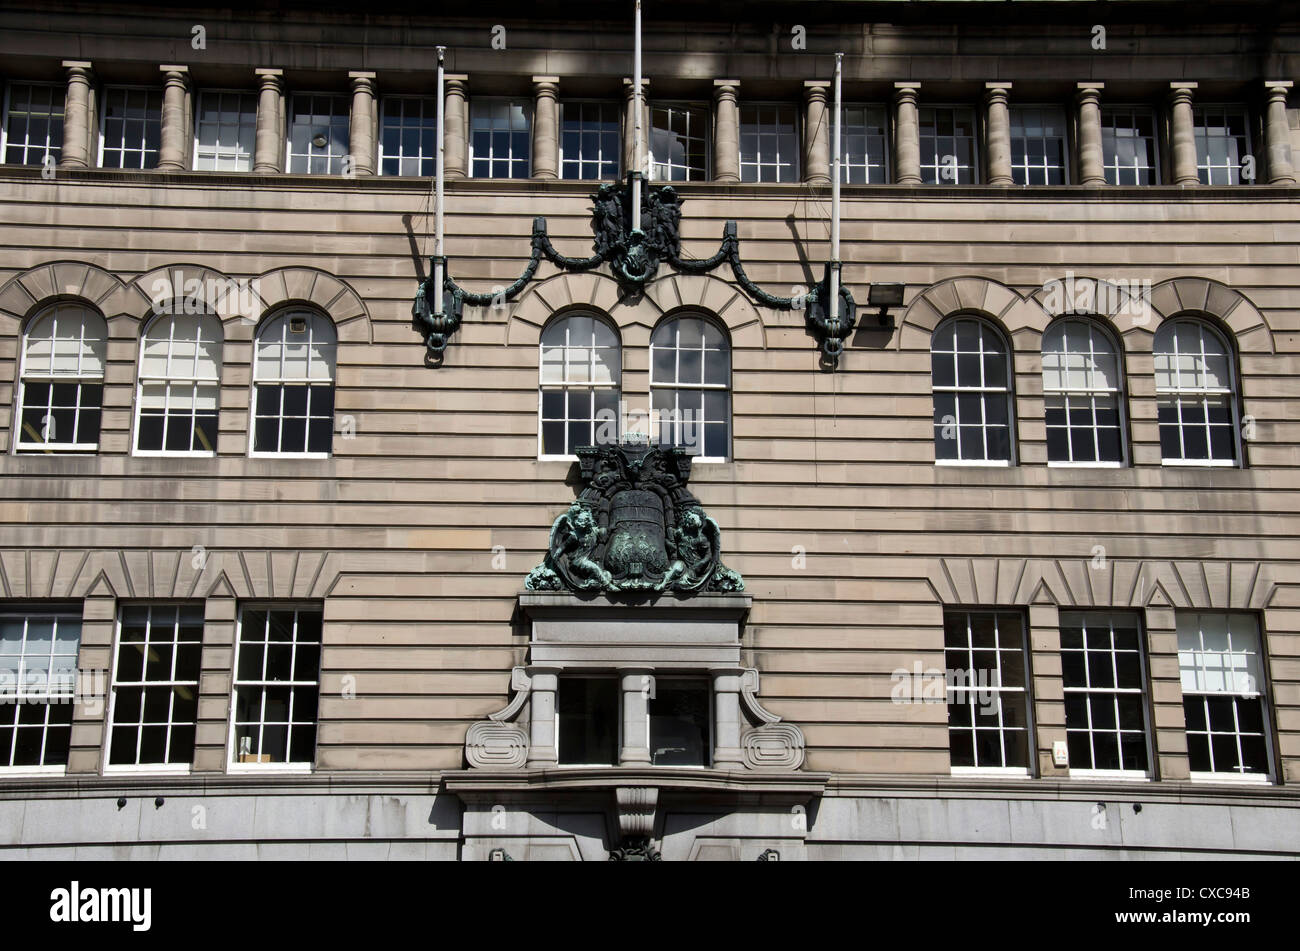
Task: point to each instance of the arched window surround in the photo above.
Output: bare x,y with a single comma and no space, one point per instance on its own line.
293,385
995,401
184,399
691,386
579,383
1092,392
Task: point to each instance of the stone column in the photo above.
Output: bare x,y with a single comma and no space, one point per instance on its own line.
1092,169
629,128
726,720
361,125
268,149
77,121
637,686
817,157
455,135
1182,133
997,125
726,131
546,127
1277,133
173,148
542,750
907,135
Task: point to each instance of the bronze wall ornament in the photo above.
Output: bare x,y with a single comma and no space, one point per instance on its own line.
634,257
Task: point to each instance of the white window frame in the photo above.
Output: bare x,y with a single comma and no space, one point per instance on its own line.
1090,393
1178,392
767,130
1110,160
866,111
1198,135
194,382
144,684
50,148
24,376
232,762
102,108
489,102
1260,694
582,161
937,166
199,125
676,387
283,381
1030,730
330,157
1106,619
696,114
957,389
1016,112
27,611
565,385
420,159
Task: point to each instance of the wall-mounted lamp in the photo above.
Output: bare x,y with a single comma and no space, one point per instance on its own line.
319,140
885,296
770,855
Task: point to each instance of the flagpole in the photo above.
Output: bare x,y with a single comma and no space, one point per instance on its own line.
438,196
636,126
833,309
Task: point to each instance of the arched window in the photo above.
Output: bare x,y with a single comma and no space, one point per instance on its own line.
179,385
971,382
690,387
293,385
581,379
1082,394
1196,395
62,381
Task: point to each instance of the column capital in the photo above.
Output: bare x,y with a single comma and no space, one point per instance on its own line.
268,72
360,74
816,84
628,84
270,78
1278,88
81,64
174,69
997,91
909,84
543,80
1088,91
726,83
455,77
1181,90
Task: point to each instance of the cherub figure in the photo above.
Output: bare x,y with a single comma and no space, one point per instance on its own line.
574,536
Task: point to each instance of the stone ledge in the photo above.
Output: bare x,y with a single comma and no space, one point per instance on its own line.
596,779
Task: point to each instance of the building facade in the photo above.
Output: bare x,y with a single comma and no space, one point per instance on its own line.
641,554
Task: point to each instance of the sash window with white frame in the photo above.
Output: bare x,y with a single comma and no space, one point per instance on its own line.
1223,145
408,136
947,139
690,387
130,128
178,391
679,142
1196,398
293,386
1128,146
33,124
581,378
769,143
1038,153
1082,395
590,142
1104,681
500,138
864,146
224,131
155,685
1220,661
61,389
319,131
38,670
985,654
971,384
277,686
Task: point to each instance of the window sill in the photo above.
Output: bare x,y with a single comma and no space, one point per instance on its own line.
280,769
164,454
54,450
980,463
1085,465
290,455
21,771
1000,772
1232,779
1126,775
1201,463
161,769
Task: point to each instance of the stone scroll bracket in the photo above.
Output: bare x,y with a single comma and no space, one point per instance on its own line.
770,744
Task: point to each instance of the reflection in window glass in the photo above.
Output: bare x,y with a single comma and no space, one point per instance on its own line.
179,385
1081,394
277,685
690,387
769,143
131,128
1222,673
988,705
589,140
1222,144
38,671
1038,145
1105,707
499,145
293,384
1195,394
679,142
947,137
581,375
588,712
62,387
156,684
972,392
1128,146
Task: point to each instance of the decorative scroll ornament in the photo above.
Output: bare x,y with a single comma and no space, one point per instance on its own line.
634,528
634,257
